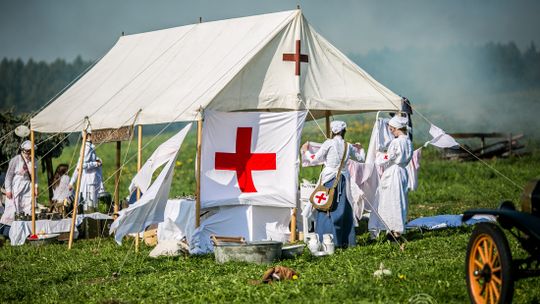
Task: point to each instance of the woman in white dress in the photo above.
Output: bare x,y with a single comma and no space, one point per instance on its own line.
18,186
390,214
91,179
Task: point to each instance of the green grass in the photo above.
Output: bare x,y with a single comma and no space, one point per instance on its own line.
99,271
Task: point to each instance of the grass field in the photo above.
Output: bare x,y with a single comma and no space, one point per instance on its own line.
99,271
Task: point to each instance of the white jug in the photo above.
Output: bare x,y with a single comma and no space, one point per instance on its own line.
312,240
328,243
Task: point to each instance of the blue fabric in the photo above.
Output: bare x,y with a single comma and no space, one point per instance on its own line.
339,220
443,221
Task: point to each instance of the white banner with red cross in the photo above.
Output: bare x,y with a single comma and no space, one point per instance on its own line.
250,158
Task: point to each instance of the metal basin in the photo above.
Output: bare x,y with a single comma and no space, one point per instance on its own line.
260,252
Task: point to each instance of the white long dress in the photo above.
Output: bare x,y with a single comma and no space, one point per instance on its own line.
91,179
393,187
19,183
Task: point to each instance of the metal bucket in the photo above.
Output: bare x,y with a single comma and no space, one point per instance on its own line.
260,252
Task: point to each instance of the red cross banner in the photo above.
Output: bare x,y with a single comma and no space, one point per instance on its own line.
250,158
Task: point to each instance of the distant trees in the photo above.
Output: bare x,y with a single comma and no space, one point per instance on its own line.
26,86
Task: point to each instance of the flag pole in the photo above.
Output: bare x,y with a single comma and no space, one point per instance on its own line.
117,180
198,173
139,162
33,180
77,190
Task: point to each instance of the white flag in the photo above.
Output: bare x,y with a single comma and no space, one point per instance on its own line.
150,208
441,139
250,158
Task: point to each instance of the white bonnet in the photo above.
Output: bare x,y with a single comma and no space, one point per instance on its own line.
337,126
26,145
398,122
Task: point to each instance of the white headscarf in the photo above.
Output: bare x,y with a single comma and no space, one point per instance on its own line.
337,126
398,122
26,145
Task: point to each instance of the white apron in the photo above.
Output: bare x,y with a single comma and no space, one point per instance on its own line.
391,210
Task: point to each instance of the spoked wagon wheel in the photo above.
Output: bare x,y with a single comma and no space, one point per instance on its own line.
489,266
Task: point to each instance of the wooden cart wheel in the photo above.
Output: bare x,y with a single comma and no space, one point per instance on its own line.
489,266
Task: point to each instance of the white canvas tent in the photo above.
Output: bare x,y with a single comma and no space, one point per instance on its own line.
271,62
229,65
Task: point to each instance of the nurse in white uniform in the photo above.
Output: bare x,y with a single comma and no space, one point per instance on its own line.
391,211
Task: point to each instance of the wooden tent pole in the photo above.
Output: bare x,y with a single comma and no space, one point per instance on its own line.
328,133
292,238
33,180
198,173
77,190
117,180
139,164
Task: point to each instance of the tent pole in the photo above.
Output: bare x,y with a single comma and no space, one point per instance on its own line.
292,238
33,180
117,180
139,162
198,173
77,190
328,134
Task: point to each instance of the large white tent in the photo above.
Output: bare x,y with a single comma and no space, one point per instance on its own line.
271,62
267,62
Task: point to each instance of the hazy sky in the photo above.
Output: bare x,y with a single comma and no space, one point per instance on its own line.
66,28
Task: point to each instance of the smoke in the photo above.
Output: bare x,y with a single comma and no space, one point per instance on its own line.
463,88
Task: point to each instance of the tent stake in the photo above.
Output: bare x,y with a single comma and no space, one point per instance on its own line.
198,174
77,190
139,162
117,180
33,180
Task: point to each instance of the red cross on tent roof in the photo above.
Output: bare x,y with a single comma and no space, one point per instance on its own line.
297,58
243,161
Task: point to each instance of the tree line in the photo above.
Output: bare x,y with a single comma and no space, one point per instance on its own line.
27,86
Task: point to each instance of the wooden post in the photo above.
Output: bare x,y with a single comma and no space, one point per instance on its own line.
139,164
33,180
198,173
77,190
483,144
292,238
328,132
510,145
117,180
47,160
